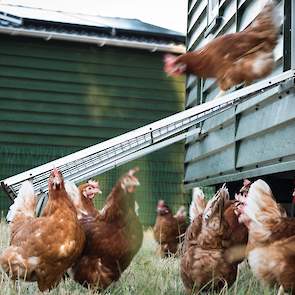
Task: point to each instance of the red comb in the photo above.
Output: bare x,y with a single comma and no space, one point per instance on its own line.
169,58
55,171
93,183
161,203
246,182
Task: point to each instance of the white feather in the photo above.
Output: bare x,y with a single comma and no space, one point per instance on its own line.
136,208
195,208
72,191
260,197
74,194
276,13
23,203
277,17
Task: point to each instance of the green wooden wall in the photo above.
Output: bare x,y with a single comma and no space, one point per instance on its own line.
254,139
60,97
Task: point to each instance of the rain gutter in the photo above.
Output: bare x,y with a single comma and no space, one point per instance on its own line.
100,41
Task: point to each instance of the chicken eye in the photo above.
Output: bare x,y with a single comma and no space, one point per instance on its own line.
207,215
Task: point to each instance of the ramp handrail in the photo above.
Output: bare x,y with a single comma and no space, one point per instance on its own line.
104,156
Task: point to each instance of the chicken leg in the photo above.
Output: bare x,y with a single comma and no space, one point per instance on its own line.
282,291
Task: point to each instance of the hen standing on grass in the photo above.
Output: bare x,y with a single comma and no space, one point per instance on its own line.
42,249
271,247
168,229
233,58
113,235
237,233
212,233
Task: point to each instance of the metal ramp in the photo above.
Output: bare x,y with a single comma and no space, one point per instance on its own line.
109,154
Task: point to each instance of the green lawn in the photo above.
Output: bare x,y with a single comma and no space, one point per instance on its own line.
147,275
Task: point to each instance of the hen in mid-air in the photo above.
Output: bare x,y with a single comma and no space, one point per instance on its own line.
233,58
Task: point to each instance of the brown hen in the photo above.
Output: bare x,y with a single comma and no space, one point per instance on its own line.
42,249
271,248
83,200
113,235
204,264
238,232
168,229
233,58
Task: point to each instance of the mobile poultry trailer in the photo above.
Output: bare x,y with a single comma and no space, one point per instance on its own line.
256,138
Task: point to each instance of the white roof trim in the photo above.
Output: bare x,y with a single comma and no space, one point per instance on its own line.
95,40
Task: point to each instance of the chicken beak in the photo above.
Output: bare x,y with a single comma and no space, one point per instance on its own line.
90,195
56,182
56,179
95,191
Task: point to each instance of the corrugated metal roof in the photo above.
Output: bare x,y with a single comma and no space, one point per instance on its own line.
39,19
84,19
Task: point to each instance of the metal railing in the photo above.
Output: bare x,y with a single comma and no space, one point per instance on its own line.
114,152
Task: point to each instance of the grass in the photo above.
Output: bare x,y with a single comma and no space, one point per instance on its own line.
147,275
